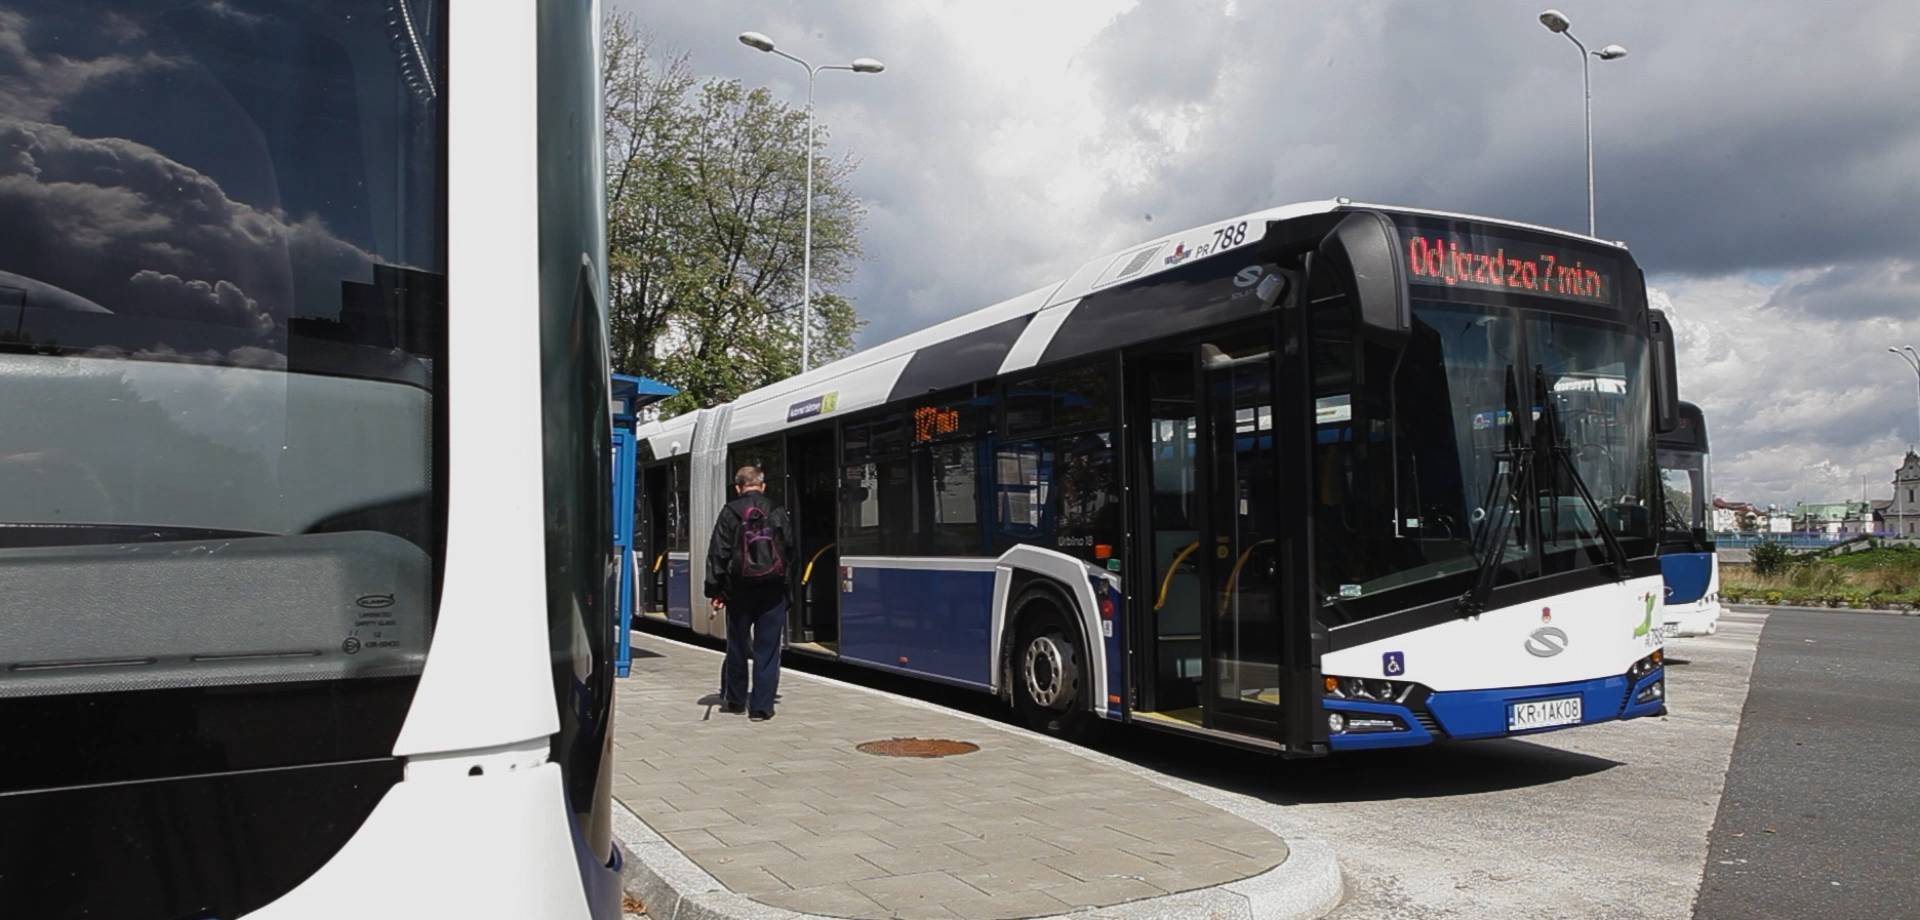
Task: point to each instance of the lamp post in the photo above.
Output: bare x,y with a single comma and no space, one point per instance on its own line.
760,42
1556,21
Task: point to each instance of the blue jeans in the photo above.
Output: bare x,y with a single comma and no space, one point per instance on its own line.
756,633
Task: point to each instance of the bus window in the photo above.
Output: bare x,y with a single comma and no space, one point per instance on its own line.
948,482
1089,481
1078,397
1023,475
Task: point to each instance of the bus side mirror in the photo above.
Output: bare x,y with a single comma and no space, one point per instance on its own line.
1362,253
1666,383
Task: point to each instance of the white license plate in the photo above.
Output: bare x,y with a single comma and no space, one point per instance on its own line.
1543,713
1670,630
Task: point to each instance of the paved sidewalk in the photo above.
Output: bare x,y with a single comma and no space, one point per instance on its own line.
757,819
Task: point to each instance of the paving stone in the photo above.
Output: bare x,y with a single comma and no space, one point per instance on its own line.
1008,906
905,892
832,900
788,815
831,869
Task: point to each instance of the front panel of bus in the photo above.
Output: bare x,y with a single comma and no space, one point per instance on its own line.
1483,475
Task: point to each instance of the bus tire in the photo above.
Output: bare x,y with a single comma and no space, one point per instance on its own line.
1049,670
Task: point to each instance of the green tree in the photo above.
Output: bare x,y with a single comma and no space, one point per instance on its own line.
1768,557
705,222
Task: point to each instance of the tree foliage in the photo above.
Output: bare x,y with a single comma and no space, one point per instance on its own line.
705,222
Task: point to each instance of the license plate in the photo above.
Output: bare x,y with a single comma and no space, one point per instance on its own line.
1671,630
1543,713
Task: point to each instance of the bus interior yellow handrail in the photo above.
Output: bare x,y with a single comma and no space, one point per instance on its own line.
1167,582
1234,577
807,574
659,561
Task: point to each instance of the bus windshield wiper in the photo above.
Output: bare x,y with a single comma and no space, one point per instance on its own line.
1563,458
1512,474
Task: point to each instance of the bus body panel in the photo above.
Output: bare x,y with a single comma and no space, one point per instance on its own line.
926,616
1699,615
497,845
1603,631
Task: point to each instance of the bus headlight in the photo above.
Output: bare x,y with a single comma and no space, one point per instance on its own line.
1652,692
1336,723
1646,665
1368,688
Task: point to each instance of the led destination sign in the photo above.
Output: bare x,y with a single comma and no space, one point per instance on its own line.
1487,263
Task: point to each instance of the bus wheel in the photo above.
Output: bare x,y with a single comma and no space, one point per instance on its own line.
1049,672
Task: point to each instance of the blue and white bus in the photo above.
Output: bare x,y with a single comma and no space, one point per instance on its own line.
306,559
1326,476
1688,562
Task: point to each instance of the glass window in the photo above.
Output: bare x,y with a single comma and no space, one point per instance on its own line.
1589,380
1090,510
859,509
1022,485
222,308
1076,397
953,498
768,456
682,501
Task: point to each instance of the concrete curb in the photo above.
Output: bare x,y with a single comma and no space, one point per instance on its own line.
1306,885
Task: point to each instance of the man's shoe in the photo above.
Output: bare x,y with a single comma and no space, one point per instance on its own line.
733,708
759,715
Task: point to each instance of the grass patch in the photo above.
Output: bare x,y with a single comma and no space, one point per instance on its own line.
1882,577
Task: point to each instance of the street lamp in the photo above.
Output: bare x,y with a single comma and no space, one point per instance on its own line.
1556,21
759,42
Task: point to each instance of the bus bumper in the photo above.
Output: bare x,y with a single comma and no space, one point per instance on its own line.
1470,714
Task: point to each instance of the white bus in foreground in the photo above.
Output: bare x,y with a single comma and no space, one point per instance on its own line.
305,554
1322,477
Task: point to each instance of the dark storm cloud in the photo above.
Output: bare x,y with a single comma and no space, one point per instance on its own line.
1734,136
1855,291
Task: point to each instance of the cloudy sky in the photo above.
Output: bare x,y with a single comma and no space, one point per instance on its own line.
1762,159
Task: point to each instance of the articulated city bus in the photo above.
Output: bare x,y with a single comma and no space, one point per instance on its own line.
1321,477
305,553
1689,565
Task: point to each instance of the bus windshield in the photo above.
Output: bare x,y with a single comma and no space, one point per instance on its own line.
222,299
1686,482
1417,445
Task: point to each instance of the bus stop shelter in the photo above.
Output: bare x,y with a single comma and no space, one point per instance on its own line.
630,395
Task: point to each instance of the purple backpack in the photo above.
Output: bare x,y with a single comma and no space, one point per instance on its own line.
758,558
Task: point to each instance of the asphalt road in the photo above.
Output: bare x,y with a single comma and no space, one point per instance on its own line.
1605,821
1821,814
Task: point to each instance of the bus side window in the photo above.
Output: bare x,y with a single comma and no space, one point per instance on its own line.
1022,493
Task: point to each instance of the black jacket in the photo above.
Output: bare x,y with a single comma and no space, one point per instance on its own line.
726,541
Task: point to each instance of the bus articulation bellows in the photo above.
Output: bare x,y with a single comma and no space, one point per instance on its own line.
1325,476
304,541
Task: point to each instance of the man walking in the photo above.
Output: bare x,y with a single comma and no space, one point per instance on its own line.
747,576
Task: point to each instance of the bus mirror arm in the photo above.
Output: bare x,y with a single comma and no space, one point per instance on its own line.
1362,254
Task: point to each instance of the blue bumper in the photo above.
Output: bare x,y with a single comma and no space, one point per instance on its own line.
1466,714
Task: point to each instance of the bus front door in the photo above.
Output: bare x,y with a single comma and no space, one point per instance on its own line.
1212,512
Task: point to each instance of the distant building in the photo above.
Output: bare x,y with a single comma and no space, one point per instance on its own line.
1903,510
1835,519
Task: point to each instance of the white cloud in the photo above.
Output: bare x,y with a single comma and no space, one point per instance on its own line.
1799,404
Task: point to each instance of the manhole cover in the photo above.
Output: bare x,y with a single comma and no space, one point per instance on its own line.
917,747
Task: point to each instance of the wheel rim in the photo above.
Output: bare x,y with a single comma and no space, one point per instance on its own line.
1048,671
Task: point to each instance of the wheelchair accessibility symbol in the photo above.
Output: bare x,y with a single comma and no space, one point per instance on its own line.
1394,663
